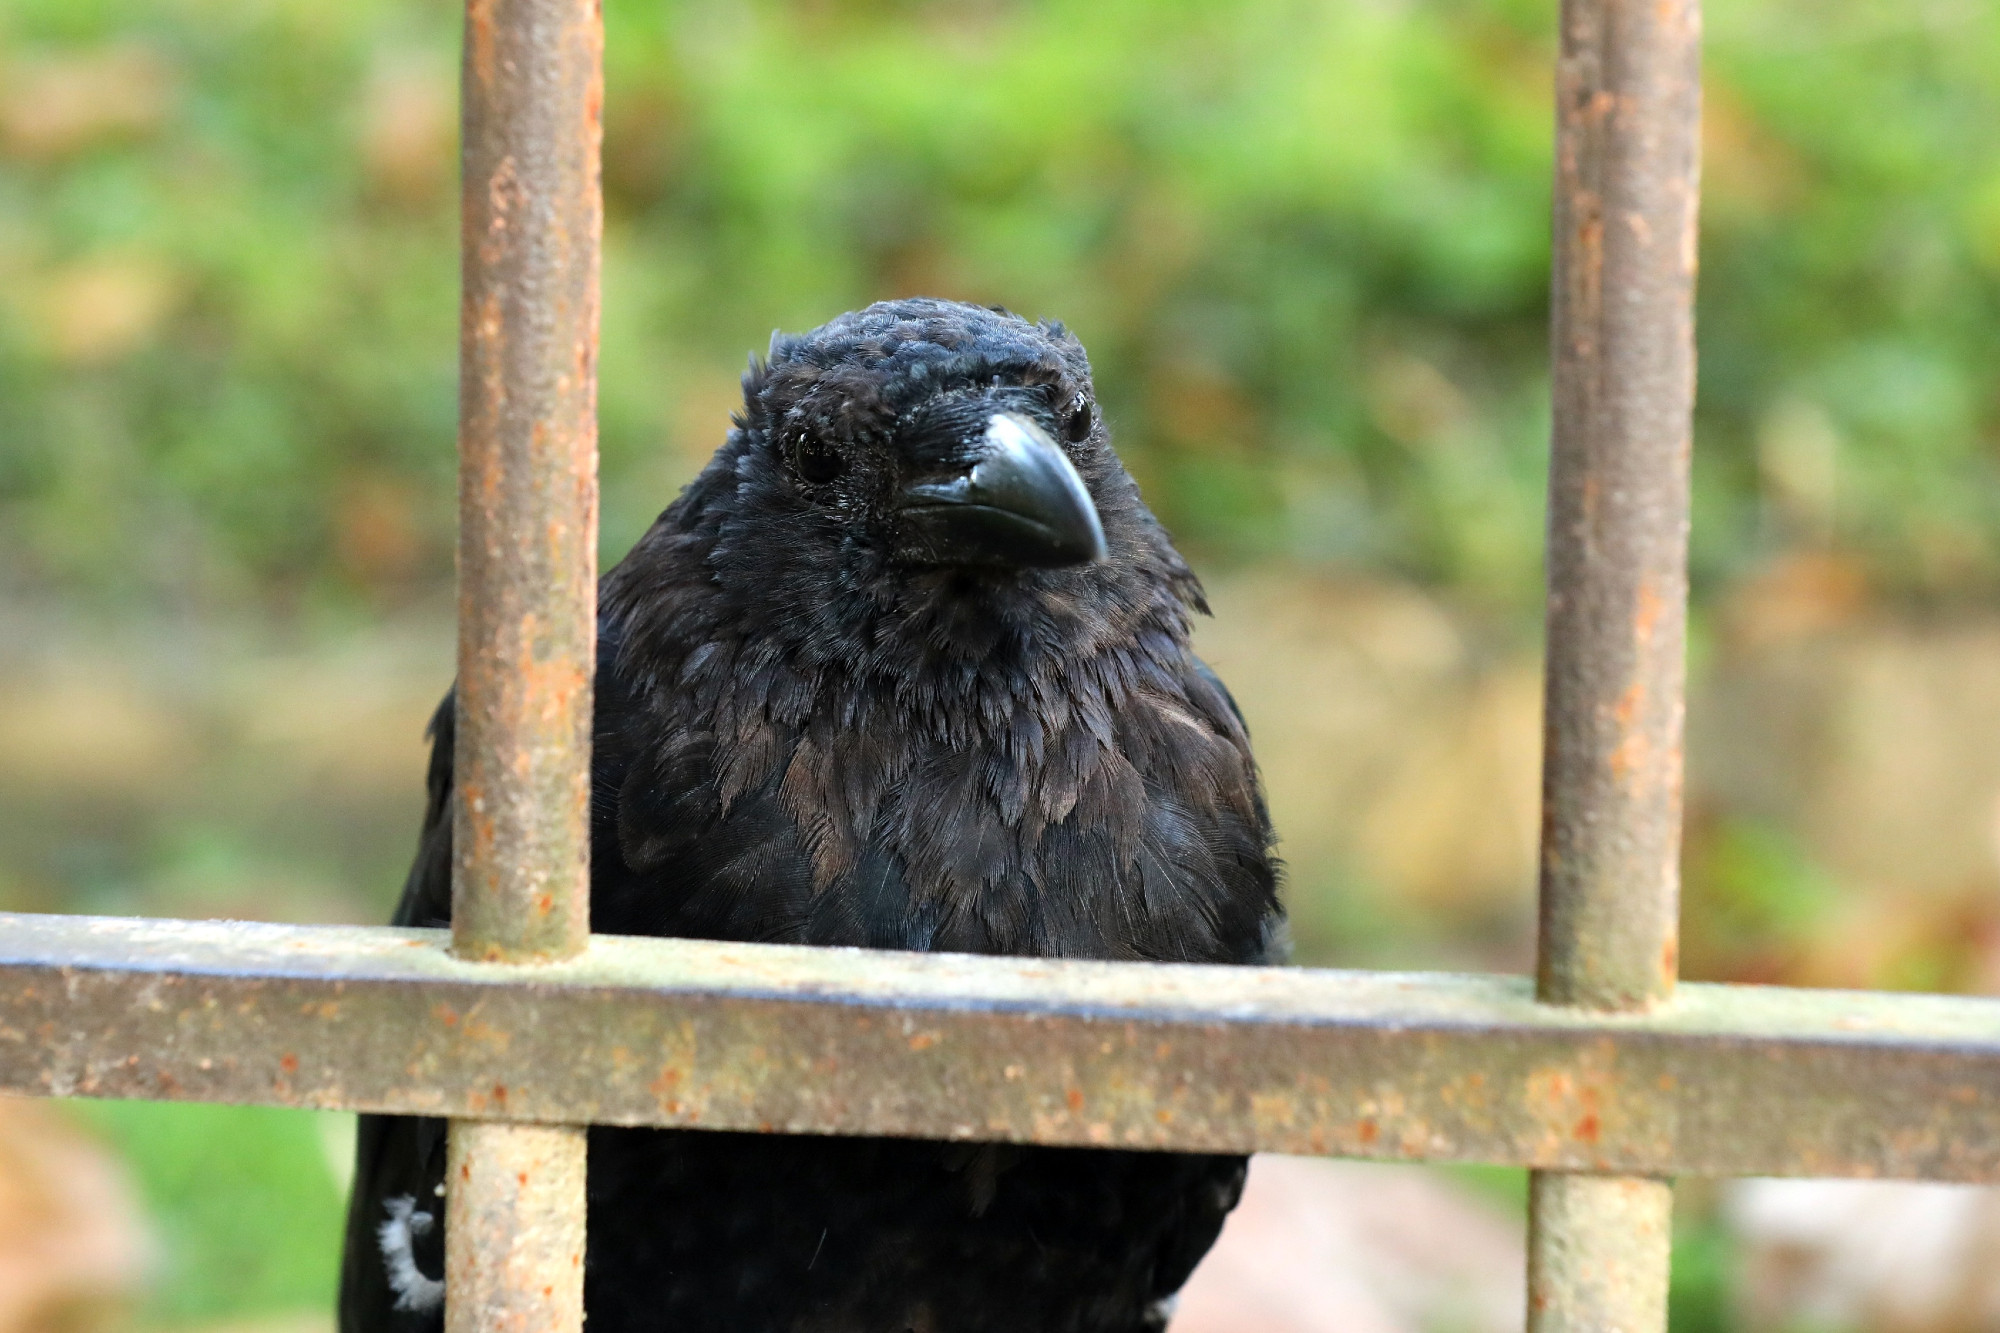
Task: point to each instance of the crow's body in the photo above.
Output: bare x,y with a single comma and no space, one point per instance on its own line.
841,702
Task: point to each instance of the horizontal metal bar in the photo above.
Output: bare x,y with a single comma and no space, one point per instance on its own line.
1720,1080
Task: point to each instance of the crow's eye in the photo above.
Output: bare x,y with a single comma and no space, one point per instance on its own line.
1080,421
815,460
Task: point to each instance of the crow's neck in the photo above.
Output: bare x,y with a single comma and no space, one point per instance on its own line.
713,635
955,665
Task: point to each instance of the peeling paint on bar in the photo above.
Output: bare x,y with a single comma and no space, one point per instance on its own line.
1720,1080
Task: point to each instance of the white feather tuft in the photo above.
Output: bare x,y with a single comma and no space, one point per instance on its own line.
414,1291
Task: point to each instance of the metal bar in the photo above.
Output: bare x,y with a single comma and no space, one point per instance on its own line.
1718,1080
1618,501
519,1188
532,221
1600,1260
527,512
1628,110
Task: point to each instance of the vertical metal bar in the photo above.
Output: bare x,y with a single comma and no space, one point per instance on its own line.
527,490
532,221
1598,1252
1628,98
514,1228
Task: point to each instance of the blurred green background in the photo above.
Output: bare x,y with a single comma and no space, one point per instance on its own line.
1307,246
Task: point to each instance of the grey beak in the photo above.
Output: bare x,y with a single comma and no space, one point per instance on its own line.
1021,505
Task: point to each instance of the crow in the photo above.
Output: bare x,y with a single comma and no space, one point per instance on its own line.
905,667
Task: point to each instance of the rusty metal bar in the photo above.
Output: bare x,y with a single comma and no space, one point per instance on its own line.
532,221
527,512
1717,1080
1618,500
1628,108
520,1190
1599,1257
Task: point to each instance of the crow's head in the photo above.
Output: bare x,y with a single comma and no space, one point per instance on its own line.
916,479
928,435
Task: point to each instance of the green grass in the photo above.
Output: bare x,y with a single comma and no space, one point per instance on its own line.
1704,1279
242,1201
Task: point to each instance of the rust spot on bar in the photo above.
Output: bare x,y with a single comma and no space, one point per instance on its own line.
479,40
1647,618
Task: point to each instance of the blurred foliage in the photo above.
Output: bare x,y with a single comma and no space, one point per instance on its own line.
1705,1262
245,1208
1758,908
1306,244
1754,901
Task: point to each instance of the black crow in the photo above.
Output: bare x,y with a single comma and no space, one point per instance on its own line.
905,667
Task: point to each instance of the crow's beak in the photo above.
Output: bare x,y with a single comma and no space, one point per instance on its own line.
1021,504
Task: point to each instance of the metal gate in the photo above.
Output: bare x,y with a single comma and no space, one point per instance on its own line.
1599,1073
